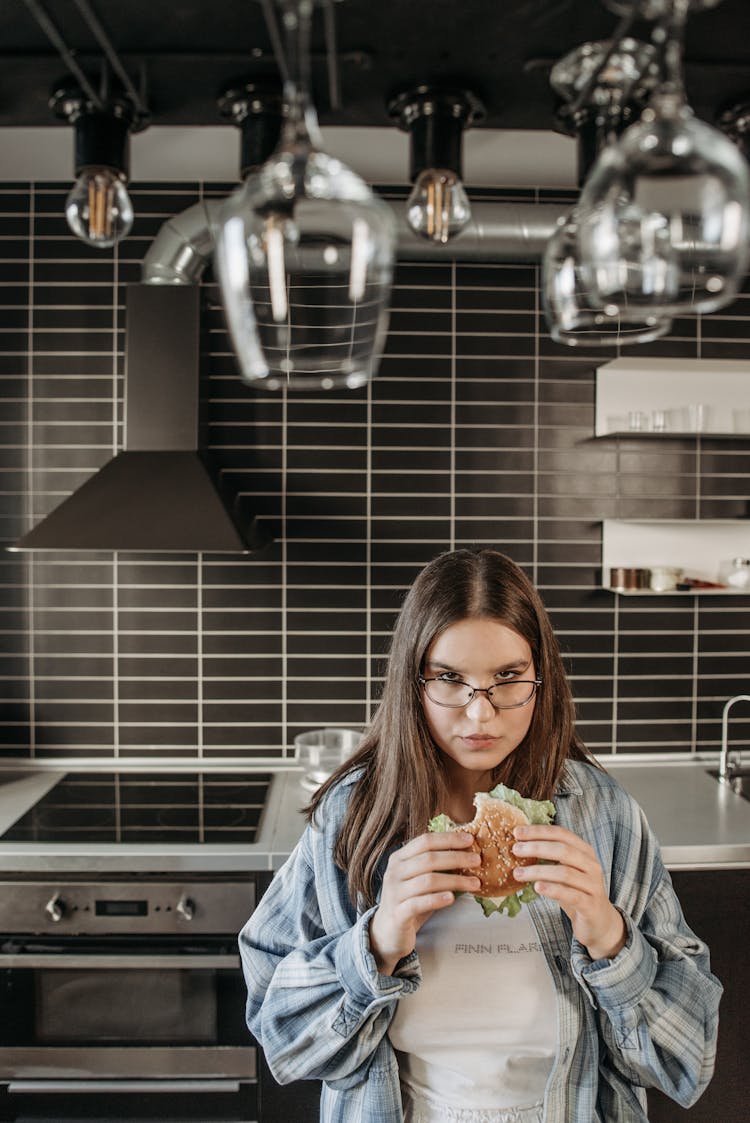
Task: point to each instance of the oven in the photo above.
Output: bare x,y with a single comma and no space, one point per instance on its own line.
122,893
124,1000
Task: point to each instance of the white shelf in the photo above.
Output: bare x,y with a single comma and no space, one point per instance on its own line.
670,435
673,388
697,546
678,592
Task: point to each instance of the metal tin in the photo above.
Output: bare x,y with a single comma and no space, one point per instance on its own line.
627,579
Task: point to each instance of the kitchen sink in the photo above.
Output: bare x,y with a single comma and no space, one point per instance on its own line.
738,780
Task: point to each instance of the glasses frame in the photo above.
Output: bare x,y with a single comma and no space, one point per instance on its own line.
535,682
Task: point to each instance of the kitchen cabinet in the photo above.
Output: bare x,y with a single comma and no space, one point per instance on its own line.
287,1103
715,903
696,546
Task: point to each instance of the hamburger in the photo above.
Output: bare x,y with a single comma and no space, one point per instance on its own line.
497,814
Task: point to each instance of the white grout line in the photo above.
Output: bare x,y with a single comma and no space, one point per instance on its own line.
284,577
453,399
30,558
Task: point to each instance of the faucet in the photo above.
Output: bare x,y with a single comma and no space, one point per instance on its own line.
724,768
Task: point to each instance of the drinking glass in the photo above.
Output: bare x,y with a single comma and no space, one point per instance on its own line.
305,252
700,417
665,211
741,420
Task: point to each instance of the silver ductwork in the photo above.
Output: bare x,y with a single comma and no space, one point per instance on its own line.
496,232
183,247
501,232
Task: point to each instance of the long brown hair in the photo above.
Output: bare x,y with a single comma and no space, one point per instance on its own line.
403,781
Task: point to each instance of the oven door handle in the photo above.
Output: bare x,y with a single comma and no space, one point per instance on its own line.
54,962
125,1086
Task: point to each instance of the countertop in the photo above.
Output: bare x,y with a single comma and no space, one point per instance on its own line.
700,823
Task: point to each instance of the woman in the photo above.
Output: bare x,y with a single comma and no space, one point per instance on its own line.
369,964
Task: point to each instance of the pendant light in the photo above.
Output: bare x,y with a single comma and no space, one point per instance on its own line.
665,212
602,85
98,208
438,207
305,251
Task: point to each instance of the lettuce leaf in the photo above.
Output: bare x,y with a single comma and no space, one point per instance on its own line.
511,904
538,811
441,823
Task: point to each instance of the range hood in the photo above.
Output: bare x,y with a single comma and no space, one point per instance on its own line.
161,493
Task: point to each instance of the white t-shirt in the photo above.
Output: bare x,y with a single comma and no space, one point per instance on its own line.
480,1032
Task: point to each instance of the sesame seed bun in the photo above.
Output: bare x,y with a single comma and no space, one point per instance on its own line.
492,828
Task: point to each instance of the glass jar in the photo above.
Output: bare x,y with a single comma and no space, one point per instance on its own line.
735,573
664,578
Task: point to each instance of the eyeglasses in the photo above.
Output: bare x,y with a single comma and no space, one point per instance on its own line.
454,693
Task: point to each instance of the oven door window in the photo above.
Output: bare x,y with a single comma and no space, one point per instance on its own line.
133,1006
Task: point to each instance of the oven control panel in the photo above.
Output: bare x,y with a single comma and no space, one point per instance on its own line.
126,907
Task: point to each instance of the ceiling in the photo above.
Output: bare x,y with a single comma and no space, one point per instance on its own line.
186,52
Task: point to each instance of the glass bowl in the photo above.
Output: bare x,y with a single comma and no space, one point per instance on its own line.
321,751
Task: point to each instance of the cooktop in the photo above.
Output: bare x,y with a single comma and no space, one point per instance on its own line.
197,807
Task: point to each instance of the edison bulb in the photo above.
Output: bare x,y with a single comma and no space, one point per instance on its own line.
438,207
98,208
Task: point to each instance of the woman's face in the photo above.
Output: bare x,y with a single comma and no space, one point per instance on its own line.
476,738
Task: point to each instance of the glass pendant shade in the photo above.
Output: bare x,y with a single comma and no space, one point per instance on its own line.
438,207
664,216
665,212
304,256
573,318
98,208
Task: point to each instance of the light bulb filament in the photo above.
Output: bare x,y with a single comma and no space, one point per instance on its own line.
437,207
101,202
437,211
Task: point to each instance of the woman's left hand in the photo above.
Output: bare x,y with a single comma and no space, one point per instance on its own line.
576,881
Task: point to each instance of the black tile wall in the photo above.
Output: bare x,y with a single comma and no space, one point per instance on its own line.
477,430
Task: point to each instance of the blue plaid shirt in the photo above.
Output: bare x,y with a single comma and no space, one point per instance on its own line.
647,1018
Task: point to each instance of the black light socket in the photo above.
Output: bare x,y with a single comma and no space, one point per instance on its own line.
436,120
257,111
593,129
102,134
102,140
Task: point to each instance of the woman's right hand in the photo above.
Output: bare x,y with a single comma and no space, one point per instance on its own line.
420,878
